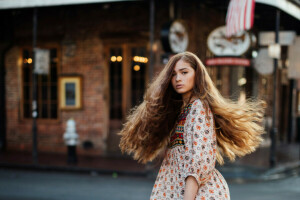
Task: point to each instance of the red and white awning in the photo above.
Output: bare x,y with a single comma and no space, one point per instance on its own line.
240,16
240,13
13,4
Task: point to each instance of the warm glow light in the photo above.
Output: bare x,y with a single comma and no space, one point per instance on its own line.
136,59
242,81
113,59
140,59
29,60
154,47
136,68
25,60
119,58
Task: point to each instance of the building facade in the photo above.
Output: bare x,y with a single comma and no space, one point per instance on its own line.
105,46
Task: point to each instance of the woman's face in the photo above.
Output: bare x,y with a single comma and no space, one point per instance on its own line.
183,78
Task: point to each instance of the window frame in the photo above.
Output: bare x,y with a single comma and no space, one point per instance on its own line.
21,83
126,73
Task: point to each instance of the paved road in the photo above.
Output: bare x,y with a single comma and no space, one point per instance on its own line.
28,185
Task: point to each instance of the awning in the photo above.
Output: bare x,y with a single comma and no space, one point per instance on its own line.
12,4
288,6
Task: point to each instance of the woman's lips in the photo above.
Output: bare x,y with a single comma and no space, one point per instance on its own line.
179,86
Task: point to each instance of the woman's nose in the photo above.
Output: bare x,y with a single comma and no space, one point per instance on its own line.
178,78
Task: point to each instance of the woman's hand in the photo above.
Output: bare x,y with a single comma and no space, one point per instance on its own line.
191,188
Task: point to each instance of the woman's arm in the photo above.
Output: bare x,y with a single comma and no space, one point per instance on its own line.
200,147
191,188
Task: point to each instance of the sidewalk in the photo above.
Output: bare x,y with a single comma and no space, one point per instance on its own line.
251,168
58,162
256,167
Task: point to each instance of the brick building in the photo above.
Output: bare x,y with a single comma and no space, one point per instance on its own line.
97,43
82,39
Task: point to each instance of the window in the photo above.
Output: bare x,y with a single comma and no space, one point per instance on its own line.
127,78
115,80
138,72
46,87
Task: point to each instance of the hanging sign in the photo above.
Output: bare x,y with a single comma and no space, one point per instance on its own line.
42,61
263,63
220,45
294,60
228,61
268,37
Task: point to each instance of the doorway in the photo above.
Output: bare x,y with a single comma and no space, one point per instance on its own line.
127,78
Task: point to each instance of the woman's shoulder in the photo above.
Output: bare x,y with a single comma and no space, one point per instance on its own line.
195,107
197,104
198,107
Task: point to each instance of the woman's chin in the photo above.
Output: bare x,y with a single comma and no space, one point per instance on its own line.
180,91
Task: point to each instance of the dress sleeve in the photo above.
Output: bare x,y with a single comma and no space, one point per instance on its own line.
200,143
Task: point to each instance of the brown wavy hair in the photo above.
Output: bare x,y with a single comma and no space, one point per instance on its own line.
148,126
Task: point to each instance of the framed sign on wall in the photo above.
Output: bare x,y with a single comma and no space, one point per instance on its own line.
70,92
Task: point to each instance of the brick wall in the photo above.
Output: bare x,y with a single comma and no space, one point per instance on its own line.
90,28
90,120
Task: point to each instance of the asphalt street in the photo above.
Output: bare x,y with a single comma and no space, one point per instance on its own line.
32,185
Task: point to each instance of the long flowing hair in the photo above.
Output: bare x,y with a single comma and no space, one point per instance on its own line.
148,126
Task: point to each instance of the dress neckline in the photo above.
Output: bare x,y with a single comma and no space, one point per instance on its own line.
187,105
186,108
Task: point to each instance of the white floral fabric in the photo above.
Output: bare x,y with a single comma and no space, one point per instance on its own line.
191,152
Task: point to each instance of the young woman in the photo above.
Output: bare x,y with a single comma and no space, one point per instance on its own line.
185,116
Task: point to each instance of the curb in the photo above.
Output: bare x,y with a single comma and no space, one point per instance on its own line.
284,171
241,174
232,174
247,174
72,169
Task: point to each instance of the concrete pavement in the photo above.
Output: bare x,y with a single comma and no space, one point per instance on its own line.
253,167
29,185
32,185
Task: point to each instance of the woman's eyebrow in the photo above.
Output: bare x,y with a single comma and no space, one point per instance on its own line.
180,69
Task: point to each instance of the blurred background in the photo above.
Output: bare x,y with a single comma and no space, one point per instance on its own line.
71,70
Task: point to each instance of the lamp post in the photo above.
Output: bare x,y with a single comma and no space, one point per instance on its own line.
151,27
274,130
34,95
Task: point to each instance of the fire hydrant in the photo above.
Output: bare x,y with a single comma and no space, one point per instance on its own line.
71,140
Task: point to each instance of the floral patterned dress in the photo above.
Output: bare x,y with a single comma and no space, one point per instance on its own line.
191,152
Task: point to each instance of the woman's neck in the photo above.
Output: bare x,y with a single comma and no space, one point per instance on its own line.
187,99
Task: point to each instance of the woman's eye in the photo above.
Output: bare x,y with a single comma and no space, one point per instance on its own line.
184,72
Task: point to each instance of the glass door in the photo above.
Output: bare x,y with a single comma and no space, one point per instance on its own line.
127,77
